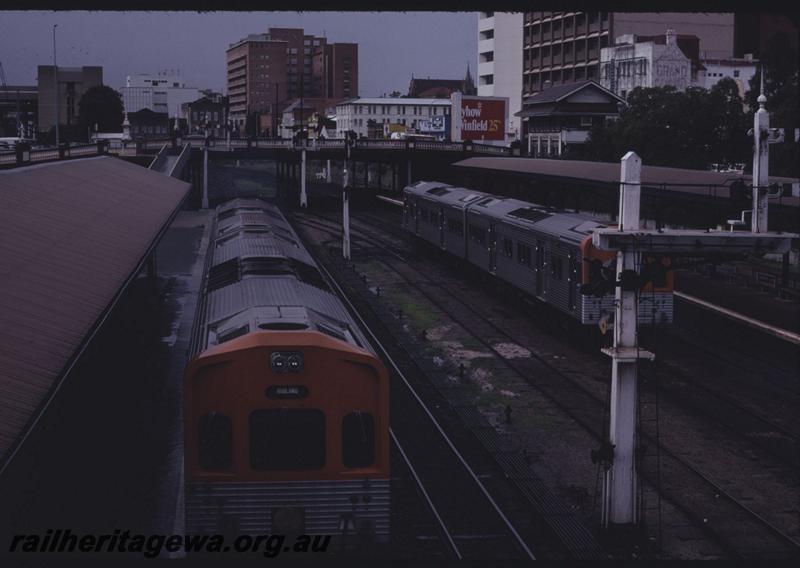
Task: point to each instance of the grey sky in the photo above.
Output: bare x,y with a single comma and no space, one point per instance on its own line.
392,45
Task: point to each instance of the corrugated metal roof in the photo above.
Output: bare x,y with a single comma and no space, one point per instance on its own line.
265,291
72,235
671,179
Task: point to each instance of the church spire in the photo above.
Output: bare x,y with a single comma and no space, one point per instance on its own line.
469,84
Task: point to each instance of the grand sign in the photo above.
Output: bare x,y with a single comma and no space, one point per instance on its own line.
479,118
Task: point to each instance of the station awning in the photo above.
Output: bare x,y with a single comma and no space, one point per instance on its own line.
74,235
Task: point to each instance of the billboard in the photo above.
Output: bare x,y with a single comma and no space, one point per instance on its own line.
479,118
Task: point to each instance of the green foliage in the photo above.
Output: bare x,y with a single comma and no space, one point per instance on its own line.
780,88
101,106
683,129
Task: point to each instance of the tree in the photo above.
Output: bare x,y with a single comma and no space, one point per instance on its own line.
780,87
684,129
395,94
101,106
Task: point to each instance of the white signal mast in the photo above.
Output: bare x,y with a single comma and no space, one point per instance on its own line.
620,506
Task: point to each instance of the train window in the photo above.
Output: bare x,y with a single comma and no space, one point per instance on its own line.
524,254
215,441
455,226
226,214
358,439
223,274
508,247
556,266
287,439
233,334
477,234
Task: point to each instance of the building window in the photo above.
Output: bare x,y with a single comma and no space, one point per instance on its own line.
735,72
586,121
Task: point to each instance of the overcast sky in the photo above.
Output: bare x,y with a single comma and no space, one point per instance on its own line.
392,45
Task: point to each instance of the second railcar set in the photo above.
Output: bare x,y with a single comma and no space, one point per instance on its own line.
286,410
545,253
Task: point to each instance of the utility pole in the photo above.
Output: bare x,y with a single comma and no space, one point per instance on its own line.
55,79
346,200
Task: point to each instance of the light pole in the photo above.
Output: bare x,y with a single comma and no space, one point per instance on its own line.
55,79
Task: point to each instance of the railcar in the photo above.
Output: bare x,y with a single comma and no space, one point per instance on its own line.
544,252
286,410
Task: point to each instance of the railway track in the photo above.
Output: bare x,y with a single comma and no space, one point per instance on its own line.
470,522
739,530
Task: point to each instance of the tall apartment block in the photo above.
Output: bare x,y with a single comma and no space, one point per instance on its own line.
267,71
500,61
564,47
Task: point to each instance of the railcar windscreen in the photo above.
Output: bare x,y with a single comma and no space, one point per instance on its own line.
291,439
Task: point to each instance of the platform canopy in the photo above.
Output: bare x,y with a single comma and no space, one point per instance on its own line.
579,171
73,235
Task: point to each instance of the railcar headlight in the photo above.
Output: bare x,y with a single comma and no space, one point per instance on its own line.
286,362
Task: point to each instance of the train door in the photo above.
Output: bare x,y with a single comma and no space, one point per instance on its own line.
492,248
539,267
573,277
441,227
414,216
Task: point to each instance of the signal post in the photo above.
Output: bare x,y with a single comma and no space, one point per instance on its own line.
619,504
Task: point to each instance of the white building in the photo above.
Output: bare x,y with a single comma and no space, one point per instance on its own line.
631,63
500,61
415,114
671,59
740,70
164,92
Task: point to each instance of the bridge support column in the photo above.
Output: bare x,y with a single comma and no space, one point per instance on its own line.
204,204
408,172
328,172
379,176
394,177
303,196
366,175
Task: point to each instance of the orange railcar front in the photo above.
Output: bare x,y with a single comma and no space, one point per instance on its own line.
279,421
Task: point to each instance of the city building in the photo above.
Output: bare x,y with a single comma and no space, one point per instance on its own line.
369,115
741,70
562,47
19,111
72,83
562,116
335,70
565,47
753,32
500,61
441,88
163,92
208,114
669,59
266,71
302,113
148,124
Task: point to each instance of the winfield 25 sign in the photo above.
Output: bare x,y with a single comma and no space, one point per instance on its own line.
479,118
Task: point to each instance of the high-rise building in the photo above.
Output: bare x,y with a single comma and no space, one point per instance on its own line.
73,82
267,71
500,61
563,47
